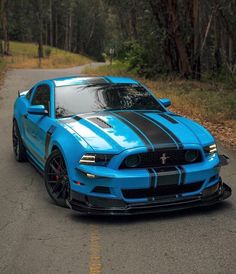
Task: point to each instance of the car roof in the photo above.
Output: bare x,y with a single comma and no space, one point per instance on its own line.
87,80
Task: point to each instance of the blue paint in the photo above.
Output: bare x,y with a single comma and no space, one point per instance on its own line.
76,138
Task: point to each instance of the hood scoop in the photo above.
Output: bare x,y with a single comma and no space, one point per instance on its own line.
100,122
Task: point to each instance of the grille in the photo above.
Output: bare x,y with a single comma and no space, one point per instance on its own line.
161,190
173,158
102,189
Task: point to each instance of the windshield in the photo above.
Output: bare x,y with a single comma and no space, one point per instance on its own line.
72,100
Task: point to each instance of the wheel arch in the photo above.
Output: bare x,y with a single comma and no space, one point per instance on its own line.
56,146
65,154
71,147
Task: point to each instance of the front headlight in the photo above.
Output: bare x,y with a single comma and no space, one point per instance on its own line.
210,149
96,159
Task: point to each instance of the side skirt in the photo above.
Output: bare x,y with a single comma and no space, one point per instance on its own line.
35,163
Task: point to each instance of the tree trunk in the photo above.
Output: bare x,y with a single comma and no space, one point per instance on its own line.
1,48
66,34
5,27
40,40
46,32
217,46
50,23
133,19
70,30
184,64
40,46
230,54
56,31
160,13
167,10
196,67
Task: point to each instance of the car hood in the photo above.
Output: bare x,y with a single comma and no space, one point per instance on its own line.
113,132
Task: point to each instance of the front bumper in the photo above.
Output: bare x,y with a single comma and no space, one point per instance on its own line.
105,206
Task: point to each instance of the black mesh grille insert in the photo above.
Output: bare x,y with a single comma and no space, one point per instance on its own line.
102,189
173,157
161,190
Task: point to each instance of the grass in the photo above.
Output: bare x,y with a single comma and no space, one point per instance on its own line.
211,104
24,55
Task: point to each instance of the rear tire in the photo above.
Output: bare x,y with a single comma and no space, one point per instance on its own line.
18,146
56,179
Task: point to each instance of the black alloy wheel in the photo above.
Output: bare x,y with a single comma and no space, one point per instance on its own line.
18,146
56,179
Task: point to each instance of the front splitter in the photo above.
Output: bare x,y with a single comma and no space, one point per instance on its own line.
104,206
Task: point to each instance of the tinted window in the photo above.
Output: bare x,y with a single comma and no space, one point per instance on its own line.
28,95
42,96
71,100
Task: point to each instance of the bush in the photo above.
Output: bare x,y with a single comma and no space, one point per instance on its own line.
47,51
143,60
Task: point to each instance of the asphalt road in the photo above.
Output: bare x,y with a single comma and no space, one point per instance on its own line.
38,237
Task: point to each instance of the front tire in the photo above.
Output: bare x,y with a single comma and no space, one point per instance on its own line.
18,146
56,179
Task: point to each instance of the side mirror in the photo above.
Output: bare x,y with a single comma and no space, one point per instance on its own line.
37,110
166,102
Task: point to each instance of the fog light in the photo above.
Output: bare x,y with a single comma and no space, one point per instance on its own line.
191,155
211,190
132,161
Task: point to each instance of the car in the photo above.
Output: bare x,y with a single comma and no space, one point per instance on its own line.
108,146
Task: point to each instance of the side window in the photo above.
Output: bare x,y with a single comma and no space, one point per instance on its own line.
28,95
42,96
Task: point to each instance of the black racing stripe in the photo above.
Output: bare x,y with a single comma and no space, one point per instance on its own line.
149,148
77,118
152,177
40,159
67,121
183,175
167,130
153,132
167,176
48,139
71,120
175,115
168,118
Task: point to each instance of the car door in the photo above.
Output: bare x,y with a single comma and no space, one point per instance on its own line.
36,126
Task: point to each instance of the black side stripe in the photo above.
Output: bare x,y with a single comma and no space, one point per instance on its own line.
167,130
34,154
168,118
141,136
48,138
153,132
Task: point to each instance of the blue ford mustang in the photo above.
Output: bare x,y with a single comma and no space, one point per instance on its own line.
106,145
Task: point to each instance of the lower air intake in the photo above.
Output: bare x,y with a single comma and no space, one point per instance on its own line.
161,190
